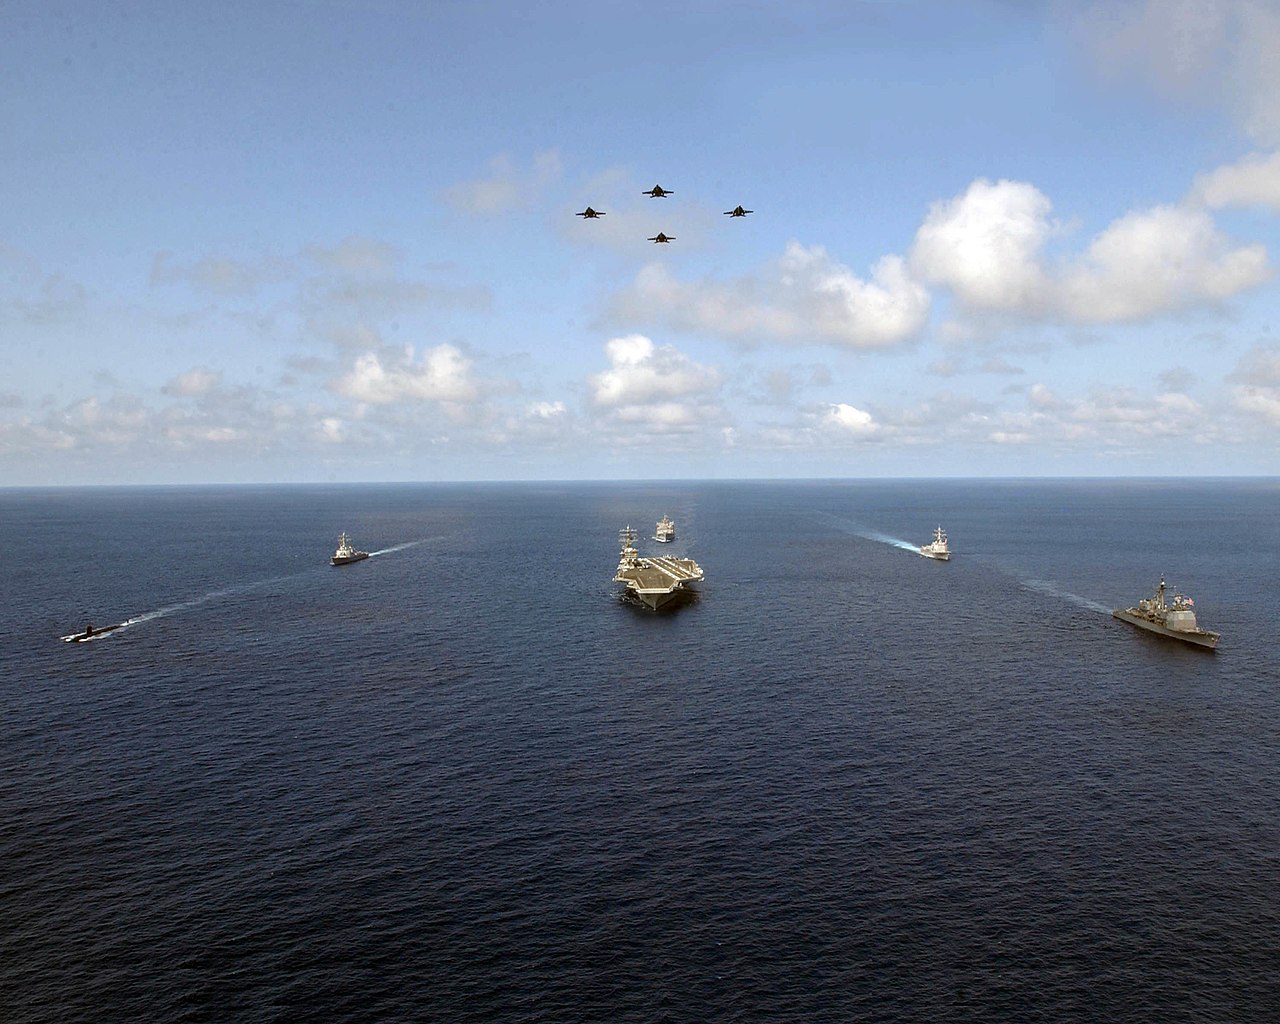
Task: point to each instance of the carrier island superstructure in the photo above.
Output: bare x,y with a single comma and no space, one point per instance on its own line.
656,581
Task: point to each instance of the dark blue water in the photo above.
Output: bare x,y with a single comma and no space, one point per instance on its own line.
463,781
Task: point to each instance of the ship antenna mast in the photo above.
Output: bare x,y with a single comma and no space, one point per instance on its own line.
627,539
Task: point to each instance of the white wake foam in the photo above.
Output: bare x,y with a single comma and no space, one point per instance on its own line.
858,530
401,547
1051,589
213,595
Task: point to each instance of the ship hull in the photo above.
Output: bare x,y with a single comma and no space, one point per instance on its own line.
944,557
657,602
91,634
1203,638
359,556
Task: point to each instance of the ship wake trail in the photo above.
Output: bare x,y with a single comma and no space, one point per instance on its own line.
1053,590
401,547
858,530
213,595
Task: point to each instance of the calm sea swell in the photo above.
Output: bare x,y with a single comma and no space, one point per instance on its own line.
463,781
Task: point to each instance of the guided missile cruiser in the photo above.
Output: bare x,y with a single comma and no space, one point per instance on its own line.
1175,619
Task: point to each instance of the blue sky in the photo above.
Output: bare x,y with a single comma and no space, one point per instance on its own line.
320,240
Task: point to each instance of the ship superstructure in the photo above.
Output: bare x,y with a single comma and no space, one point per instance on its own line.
665,532
655,581
938,548
1176,618
346,554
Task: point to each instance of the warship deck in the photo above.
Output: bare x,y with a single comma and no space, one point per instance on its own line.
655,580
1205,638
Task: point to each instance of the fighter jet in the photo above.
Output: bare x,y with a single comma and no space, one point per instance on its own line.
658,192
737,211
590,214
660,237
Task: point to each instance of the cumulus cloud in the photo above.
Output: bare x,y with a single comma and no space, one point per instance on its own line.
803,297
546,410
442,375
641,371
851,421
655,387
1252,181
331,430
198,381
507,187
1157,260
987,247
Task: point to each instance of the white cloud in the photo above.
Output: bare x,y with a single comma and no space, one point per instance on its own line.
1223,51
642,372
1256,379
1252,181
985,245
805,297
853,421
442,375
332,430
654,388
546,410
198,381
1157,260
222,435
506,187
1264,403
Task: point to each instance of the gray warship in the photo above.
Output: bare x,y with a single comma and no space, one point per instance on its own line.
938,548
1176,619
346,554
655,581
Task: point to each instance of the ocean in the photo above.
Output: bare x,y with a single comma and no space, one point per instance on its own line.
465,781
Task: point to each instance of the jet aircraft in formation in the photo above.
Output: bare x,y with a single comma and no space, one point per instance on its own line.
658,192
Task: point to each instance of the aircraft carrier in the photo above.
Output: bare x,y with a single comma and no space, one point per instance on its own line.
654,581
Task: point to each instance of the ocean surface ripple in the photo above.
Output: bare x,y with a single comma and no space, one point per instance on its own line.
463,781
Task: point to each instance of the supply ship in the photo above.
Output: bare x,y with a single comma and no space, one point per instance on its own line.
1176,619
938,548
655,581
665,532
346,554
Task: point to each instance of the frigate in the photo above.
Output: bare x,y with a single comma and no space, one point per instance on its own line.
1176,619
656,581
